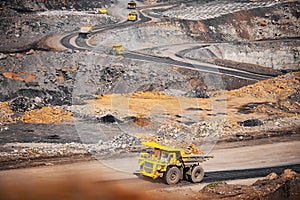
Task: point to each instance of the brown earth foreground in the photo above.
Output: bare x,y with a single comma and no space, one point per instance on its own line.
285,186
82,186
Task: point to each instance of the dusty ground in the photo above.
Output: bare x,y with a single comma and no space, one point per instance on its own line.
271,187
286,184
95,178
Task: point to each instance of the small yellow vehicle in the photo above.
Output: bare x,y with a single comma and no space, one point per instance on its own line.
171,164
101,11
85,31
131,5
132,16
117,49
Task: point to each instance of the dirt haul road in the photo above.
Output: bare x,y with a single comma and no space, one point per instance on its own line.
90,179
166,57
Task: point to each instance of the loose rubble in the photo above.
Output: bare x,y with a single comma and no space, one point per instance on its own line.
27,151
125,140
180,135
23,31
23,152
276,55
212,9
45,115
278,88
6,113
240,25
270,187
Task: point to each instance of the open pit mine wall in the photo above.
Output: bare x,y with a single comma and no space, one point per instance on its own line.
279,21
40,5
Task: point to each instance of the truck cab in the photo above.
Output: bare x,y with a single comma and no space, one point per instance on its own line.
131,5
132,16
117,49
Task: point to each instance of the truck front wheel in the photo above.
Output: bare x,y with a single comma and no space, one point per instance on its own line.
197,174
172,176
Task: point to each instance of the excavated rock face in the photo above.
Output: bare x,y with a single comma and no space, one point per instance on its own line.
51,82
40,5
26,23
21,32
236,24
22,104
274,21
285,186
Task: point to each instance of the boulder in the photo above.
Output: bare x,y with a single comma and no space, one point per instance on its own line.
251,122
272,176
288,174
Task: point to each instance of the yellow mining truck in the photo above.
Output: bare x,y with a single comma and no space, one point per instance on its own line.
132,16
85,31
117,49
101,11
131,5
171,164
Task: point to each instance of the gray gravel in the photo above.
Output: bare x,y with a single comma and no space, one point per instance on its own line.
213,9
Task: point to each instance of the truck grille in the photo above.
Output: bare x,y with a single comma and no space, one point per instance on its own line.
148,167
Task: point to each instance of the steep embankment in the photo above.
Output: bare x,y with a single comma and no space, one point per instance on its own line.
25,23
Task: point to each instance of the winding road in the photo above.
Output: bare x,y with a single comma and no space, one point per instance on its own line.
72,41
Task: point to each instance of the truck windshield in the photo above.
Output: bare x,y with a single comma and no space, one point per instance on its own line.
166,156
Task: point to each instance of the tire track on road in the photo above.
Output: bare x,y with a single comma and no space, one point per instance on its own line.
213,176
203,68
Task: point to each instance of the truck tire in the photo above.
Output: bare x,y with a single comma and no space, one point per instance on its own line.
172,176
197,174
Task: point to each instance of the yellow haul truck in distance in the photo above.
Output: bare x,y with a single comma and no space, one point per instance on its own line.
132,16
131,5
85,31
101,11
172,164
117,49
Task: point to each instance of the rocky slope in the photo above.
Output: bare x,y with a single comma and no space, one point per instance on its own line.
24,31
285,186
269,22
41,5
